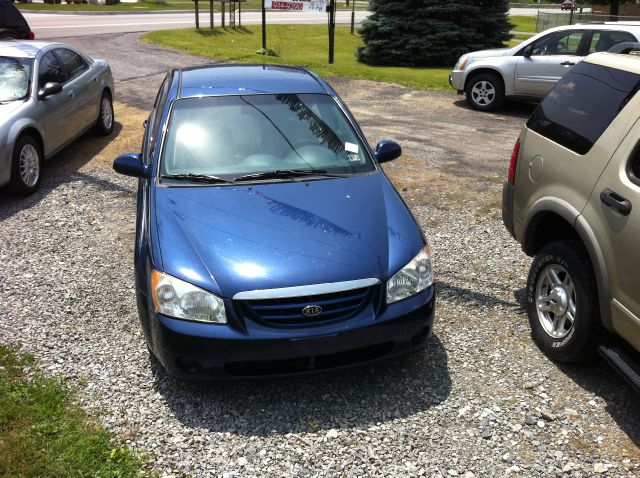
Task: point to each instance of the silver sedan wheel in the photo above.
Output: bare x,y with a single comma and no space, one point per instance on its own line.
556,301
106,114
483,93
29,165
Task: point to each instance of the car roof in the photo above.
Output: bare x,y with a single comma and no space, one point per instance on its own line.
633,27
625,62
23,48
233,79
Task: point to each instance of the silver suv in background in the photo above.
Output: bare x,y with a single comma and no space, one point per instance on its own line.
530,69
572,200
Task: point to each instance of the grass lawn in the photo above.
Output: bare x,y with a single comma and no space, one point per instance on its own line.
523,23
305,45
45,434
142,6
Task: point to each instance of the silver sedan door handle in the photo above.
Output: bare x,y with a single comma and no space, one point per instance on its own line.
567,63
71,94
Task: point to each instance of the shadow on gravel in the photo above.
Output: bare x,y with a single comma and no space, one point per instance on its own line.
471,297
621,401
63,168
514,109
360,397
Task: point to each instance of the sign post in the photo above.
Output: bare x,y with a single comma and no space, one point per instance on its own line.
197,15
210,13
332,29
264,26
353,16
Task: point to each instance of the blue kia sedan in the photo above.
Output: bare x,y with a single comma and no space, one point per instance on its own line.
269,241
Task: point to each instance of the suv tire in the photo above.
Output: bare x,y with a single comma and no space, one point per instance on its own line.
561,286
485,92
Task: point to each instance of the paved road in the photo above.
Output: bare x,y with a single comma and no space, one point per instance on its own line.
48,25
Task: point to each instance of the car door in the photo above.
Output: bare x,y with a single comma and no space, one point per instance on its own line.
81,88
614,214
53,110
552,56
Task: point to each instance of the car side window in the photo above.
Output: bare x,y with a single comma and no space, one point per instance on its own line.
50,70
157,112
558,43
603,40
633,168
73,63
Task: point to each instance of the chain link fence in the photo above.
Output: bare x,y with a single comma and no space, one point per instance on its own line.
549,20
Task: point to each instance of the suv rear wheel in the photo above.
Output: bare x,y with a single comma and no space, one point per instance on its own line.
562,302
485,92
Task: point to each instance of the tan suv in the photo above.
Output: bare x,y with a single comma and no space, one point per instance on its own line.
573,178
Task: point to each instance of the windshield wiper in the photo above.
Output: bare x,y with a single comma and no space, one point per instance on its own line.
289,173
202,178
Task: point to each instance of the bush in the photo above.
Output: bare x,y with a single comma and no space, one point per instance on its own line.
431,32
267,52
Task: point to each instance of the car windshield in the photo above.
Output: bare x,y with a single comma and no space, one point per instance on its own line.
234,136
14,78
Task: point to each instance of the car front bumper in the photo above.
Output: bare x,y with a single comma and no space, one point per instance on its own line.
456,80
196,351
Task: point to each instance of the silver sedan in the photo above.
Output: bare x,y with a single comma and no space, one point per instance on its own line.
50,94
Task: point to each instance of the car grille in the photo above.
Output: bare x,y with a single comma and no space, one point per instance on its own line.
288,312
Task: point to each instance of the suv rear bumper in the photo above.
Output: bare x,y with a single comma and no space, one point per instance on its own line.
507,207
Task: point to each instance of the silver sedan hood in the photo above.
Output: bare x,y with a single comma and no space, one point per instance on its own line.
6,109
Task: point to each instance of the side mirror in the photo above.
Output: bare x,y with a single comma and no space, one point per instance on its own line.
528,51
49,89
130,164
386,150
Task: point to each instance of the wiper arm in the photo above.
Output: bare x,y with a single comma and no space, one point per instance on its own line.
202,178
288,173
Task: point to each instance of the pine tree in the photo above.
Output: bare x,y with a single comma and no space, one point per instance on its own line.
431,32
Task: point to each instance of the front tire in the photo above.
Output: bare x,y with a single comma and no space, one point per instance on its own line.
485,92
25,166
106,116
562,302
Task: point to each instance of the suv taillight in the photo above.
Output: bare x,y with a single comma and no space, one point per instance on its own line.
32,36
514,162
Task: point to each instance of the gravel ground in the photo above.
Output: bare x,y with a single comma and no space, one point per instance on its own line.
480,401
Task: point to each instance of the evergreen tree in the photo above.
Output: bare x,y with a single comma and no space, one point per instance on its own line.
431,32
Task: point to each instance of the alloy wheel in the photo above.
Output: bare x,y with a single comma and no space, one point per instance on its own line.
29,165
107,113
556,301
483,93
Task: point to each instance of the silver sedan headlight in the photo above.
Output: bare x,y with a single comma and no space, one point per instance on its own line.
416,276
179,299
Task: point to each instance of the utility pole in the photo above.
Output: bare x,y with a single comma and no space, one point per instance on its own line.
332,29
264,26
353,16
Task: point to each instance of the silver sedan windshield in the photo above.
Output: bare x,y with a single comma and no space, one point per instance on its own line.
238,135
14,78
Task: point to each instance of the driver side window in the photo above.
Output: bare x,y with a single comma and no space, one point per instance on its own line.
50,70
558,43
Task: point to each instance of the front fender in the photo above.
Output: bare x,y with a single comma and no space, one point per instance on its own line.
496,65
587,236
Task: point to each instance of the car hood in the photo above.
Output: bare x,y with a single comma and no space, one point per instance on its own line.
230,239
6,109
488,53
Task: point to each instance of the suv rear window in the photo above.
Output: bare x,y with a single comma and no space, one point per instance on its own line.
581,106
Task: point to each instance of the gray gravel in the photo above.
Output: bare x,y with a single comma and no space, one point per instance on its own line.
480,401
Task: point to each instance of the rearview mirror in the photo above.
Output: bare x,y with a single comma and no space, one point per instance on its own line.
130,164
386,150
49,89
527,52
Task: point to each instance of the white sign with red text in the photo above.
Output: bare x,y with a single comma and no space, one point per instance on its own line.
297,5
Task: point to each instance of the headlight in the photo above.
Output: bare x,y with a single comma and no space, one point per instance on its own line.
462,62
177,298
416,276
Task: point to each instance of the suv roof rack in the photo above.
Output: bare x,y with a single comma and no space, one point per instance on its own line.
625,48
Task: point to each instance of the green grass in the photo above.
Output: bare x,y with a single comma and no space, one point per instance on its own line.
305,45
523,23
45,434
142,6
